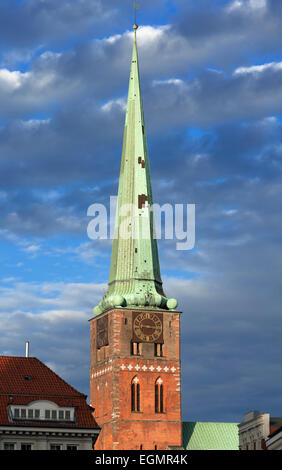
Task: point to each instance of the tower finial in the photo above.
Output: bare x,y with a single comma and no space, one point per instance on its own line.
135,26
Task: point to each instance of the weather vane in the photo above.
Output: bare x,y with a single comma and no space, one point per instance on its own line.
136,7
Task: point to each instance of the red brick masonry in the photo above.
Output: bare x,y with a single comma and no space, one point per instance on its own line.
112,370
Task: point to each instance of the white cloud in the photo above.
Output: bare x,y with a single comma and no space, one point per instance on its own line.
113,39
47,55
198,157
258,68
170,81
9,279
234,5
246,4
147,35
59,316
258,4
121,102
35,123
32,248
230,212
12,80
53,302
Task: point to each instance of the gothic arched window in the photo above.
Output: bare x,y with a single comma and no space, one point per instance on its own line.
159,396
135,394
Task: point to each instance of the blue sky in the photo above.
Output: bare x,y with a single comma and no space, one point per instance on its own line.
211,75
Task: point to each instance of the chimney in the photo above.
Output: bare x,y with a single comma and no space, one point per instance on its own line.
27,349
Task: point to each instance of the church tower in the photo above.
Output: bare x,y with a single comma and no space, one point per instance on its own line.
135,332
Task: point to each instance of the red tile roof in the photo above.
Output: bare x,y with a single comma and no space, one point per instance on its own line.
14,373
23,380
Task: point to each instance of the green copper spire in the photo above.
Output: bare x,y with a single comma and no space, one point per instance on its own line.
135,279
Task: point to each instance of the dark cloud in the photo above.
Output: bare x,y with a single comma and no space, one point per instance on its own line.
42,153
30,23
49,314
214,97
236,163
224,29
230,331
29,26
99,70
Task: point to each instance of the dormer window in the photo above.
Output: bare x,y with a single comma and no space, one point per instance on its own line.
42,410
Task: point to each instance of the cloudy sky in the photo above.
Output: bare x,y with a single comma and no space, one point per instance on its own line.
211,75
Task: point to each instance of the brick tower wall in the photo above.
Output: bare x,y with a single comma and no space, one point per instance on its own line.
112,370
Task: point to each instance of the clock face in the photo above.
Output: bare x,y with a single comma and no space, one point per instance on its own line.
148,327
102,332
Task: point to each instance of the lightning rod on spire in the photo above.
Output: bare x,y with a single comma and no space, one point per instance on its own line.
136,7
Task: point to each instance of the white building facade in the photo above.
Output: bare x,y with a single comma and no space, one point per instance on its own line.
260,431
40,411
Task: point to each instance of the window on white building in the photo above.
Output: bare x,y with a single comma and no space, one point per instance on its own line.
43,410
9,446
26,446
55,447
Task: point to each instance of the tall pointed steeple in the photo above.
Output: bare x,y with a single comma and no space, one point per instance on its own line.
135,279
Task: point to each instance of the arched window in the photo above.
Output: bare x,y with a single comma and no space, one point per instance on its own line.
135,394
159,396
